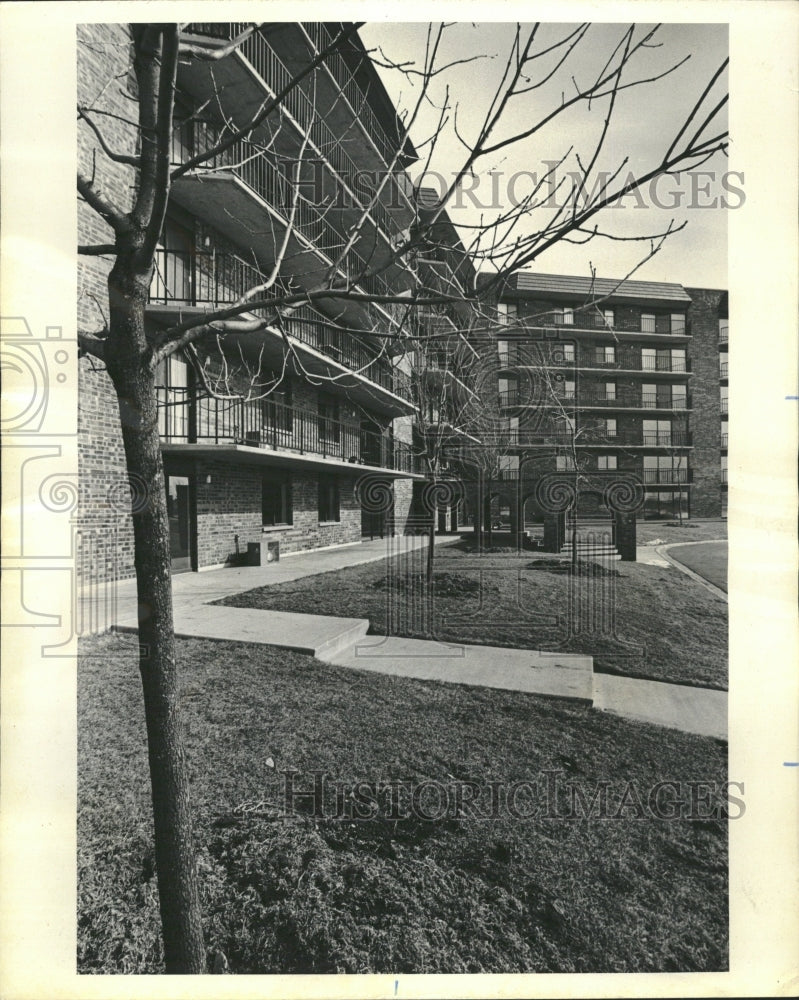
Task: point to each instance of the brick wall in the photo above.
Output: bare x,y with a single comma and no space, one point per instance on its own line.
230,505
103,512
705,419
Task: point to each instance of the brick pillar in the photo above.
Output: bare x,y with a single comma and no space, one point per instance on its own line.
626,536
554,531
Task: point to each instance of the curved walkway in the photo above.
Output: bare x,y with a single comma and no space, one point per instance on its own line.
345,642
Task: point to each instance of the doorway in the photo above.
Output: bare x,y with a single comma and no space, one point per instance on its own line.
179,509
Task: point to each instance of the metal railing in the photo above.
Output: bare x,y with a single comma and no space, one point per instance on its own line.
666,477
592,321
564,356
260,54
724,475
723,369
724,406
652,401
186,417
215,280
724,440
724,334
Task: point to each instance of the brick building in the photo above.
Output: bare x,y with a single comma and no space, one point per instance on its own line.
635,384
304,409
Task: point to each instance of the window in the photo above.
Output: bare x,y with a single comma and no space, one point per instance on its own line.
567,316
609,317
564,463
647,322
724,390
678,322
648,359
657,432
329,427
566,389
679,397
172,389
513,430
502,348
610,427
276,410
606,462
276,498
649,395
610,390
605,354
509,467
665,469
507,313
678,361
568,352
329,499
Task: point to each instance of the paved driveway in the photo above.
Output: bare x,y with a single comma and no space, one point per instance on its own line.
708,559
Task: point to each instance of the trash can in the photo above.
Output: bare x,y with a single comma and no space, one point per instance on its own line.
254,554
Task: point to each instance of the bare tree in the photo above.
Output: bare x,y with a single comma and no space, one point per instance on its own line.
363,272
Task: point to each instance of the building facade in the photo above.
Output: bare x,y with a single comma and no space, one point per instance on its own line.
265,436
636,383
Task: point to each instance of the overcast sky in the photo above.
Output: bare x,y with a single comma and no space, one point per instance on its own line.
645,120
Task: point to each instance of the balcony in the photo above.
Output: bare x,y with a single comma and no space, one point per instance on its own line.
289,433
544,355
209,281
664,477
724,334
724,406
724,369
338,208
589,400
592,321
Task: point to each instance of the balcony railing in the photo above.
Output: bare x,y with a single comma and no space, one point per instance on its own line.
724,475
724,440
590,320
259,53
723,369
586,398
724,334
664,477
724,406
215,280
260,173
186,418
535,355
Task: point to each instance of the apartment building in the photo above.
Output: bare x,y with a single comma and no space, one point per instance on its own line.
266,436
610,377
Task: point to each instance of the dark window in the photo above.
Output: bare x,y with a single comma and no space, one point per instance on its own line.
328,499
329,428
276,498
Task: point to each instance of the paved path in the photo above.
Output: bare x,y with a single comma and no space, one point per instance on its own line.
665,552
548,674
344,641
707,559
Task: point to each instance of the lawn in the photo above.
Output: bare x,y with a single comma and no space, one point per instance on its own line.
667,626
672,531
708,560
309,894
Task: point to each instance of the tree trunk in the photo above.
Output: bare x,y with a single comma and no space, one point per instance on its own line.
134,381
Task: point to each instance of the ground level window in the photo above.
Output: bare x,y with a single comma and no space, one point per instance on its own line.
276,498
329,509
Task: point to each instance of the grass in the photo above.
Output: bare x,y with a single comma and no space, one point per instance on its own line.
709,561
668,627
311,895
672,531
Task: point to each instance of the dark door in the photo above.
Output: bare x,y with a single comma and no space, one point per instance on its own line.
179,508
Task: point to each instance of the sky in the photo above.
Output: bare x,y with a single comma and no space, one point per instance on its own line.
645,120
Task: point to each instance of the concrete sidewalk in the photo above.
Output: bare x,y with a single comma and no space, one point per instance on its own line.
190,590
344,642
